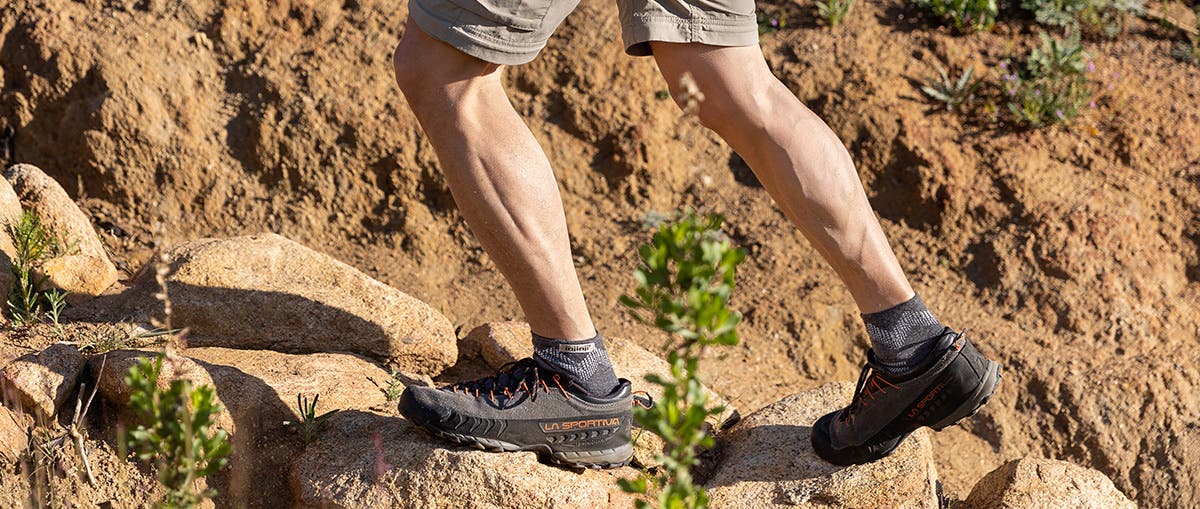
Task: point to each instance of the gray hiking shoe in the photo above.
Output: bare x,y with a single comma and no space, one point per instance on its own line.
525,407
953,384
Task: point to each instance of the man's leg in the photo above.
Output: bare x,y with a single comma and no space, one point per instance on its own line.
809,173
504,187
499,176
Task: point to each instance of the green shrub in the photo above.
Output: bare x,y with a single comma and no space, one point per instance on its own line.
175,432
834,11
1106,16
1052,86
34,245
963,15
684,282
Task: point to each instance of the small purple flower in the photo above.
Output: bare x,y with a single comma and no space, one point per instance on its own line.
1012,91
1092,105
1091,66
1004,65
775,22
1059,114
1037,92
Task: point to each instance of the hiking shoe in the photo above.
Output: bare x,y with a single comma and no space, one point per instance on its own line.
525,407
953,384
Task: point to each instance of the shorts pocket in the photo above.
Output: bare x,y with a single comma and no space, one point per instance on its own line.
526,15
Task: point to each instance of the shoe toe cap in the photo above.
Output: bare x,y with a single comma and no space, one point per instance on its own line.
422,405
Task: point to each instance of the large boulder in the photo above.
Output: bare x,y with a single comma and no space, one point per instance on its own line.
267,292
500,342
1035,483
767,461
89,271
40,383
258,390
366,460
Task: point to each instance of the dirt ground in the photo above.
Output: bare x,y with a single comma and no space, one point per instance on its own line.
1071,254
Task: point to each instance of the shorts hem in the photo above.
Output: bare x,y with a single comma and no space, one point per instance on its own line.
714,32
472,42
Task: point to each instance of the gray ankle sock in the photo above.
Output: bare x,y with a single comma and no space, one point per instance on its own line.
902,336
585,362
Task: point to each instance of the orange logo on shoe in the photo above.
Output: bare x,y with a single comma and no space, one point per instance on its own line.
580,425
925,401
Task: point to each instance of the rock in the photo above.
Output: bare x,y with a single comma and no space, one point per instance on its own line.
14,433
10,204
109,371
41,382
64,220
366,460
767,461
502,342
258,390
10,212
267,292
76,274
1030,483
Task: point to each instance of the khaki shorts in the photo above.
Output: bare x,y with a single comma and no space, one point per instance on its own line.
512,32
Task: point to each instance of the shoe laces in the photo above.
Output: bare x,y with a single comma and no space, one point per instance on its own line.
868,379
513,378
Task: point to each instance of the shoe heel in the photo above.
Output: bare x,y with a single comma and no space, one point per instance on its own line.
983,393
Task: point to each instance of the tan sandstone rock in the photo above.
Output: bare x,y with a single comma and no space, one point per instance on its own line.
40,383
767,461
10,212
258,390
63,219
14,433
268,292
501,342
1035,483
367,460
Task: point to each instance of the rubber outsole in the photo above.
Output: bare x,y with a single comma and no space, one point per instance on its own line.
543,451
600,459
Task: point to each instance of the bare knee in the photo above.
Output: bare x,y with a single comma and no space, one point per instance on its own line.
408,66
424,65
745,110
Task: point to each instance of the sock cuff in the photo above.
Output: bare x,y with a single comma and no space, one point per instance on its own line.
911,306
579,346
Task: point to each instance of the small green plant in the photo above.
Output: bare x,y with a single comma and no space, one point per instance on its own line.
309,423
393,388
767,23
684,283
1106,16
176,432
34,245
1052,86
56,302
952,93
834,11
963,15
